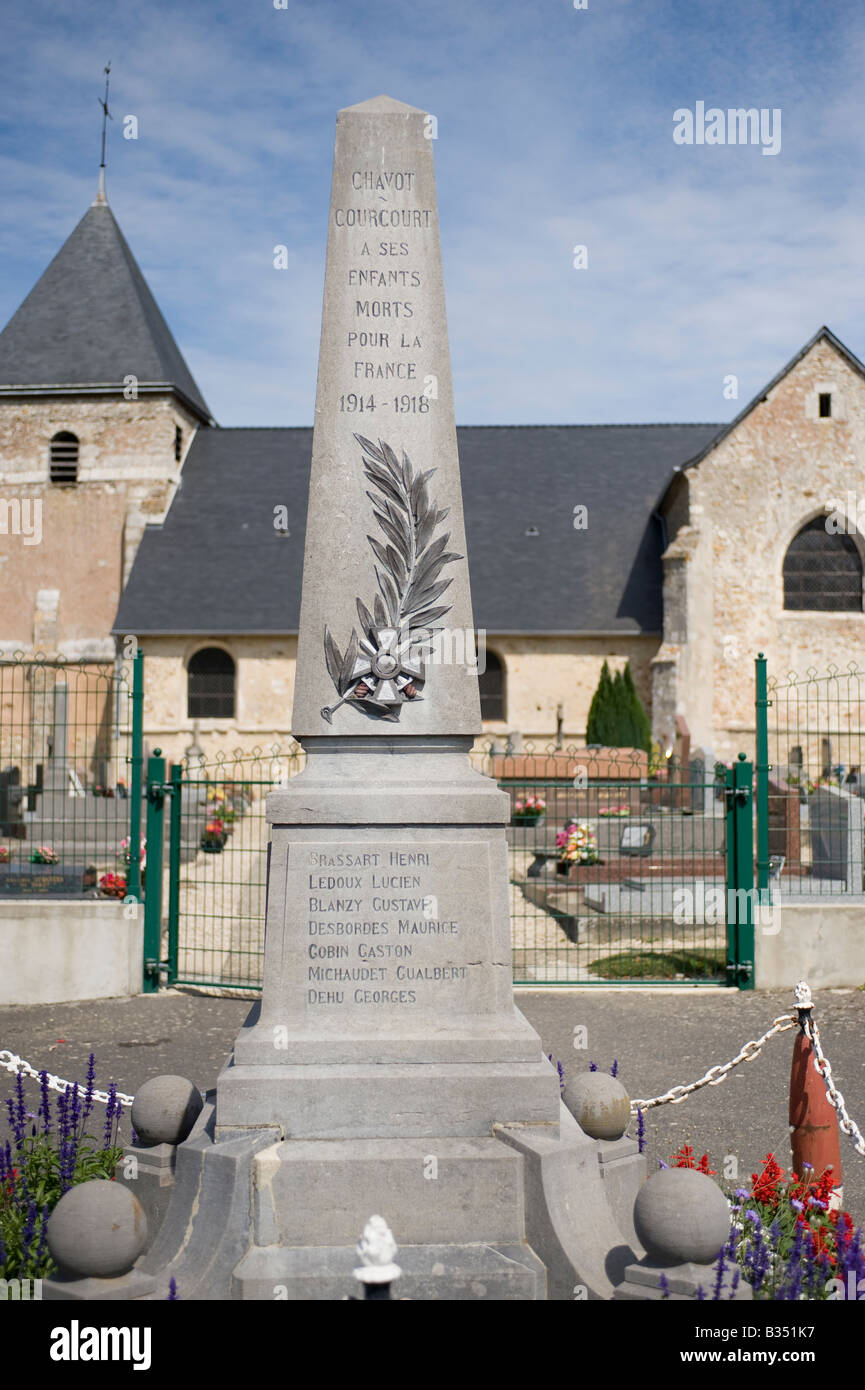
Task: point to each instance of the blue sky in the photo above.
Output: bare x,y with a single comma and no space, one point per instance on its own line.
555,129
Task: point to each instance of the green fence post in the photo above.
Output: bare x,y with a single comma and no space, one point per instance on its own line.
136,761
762,777
174,827
153,896
740,874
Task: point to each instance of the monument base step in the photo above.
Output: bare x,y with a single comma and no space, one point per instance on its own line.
435,1192
386,1101
451,1272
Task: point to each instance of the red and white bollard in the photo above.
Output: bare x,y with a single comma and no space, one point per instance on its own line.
814,1136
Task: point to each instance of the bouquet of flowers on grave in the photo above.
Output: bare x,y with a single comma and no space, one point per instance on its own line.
623,809
577,844
112,886
44,854
530,808
123,852
5,854
213,833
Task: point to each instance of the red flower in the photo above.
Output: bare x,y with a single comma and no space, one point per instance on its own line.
685,1159
764,1186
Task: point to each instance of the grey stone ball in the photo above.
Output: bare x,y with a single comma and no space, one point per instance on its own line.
681,1215
97,1229
599,1104
164,1110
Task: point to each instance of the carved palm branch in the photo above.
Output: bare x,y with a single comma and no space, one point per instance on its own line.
410,561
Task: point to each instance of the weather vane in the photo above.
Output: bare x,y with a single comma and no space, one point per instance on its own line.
106,114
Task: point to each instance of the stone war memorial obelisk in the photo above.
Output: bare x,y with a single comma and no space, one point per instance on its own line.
387,1069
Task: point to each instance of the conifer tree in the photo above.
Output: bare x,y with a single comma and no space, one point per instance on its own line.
598,724
640,732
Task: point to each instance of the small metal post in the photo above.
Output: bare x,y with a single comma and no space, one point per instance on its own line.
153,899
136,761
740,874
762,776
174,829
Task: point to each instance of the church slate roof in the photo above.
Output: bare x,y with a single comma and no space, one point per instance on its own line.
90,320
218,567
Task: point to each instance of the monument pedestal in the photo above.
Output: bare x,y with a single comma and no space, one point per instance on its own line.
387,1008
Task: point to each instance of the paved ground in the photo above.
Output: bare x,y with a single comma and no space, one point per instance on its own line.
659,1038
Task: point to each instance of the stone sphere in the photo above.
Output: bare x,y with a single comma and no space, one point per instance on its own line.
165,1109
599,1104
681,1215
97,1229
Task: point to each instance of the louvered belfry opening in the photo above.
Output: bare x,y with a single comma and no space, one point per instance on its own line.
823,570
64,458
211,685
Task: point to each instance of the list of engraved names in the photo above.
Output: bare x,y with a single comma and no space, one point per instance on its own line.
375,932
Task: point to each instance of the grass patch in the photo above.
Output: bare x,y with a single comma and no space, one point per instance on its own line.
661,965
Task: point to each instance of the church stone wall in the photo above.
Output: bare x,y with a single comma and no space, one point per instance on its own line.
749,497
540,673
61,591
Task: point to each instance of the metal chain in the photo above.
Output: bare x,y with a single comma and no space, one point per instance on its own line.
821,1065
715,1075
10,1062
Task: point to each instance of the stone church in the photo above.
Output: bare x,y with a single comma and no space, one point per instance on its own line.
683,549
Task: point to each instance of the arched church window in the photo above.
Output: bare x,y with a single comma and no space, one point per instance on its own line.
492,687
211,680
822,570
64,458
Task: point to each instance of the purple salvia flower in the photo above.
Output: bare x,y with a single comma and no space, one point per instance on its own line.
20,1101
701,1293
88,1095
641,1132
75,1103
560,1069
17,1131
719,1277
110,1110
593,1066
664,1286
614,1069
173,1295
45,1102
734,1282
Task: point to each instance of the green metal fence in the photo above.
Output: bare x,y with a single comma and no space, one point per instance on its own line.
618,871
810,782
204,922
70,777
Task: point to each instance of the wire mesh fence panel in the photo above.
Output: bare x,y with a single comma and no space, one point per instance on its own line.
222,859
816,752
65,749
617,868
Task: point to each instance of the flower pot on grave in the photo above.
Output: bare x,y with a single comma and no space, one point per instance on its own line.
538,819
212,846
